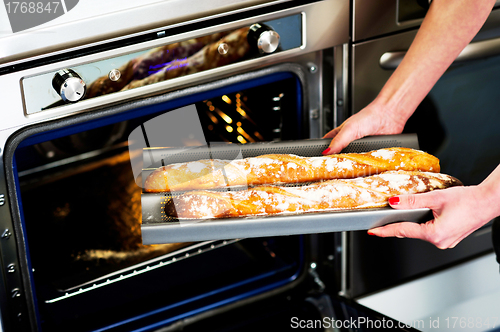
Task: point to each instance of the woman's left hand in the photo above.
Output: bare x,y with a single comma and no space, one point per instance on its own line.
457,211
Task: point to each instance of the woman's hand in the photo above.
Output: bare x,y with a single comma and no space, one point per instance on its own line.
372,120
458,211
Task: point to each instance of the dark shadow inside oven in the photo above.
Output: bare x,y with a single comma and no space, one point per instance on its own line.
81,209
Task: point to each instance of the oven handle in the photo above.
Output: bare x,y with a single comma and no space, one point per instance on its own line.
473,51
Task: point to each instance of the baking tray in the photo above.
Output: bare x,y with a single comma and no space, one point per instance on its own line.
158,228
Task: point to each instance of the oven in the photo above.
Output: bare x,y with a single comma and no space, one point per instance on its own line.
84,95
457,123
92,103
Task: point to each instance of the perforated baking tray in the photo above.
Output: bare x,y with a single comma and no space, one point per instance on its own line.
158,228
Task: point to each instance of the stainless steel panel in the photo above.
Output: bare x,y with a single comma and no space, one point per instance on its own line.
367,76
376,18
93,21
326,24
38,98
474,51
374,61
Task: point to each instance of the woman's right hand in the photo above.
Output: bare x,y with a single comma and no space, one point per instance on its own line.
372,120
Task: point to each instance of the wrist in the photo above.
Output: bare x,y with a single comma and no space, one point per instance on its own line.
489,197
394,112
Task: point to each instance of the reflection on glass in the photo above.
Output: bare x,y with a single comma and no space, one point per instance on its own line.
175,60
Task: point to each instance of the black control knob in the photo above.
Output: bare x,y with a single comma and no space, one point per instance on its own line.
263,38
69,85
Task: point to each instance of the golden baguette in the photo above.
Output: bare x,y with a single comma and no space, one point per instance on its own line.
342,194
285,168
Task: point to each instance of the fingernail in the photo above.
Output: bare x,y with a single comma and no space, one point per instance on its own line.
371,233
326,151
394,200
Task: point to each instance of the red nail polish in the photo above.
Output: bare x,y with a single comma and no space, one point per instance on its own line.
326,151
394,200
371,233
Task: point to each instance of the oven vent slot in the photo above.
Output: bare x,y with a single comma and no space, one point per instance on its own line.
159,262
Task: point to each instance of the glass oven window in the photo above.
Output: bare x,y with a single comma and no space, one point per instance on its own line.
81,210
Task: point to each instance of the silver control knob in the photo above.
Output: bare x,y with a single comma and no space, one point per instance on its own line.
69,85
263,38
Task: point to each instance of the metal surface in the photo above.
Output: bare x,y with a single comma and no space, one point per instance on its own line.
340,85
93,21
373,19
268,41
328,26
371,59
473,51
376,18
37,98
13,296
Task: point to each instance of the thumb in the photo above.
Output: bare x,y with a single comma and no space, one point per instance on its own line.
341,139
413,201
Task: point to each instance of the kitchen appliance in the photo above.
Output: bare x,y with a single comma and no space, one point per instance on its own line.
77,88
80,95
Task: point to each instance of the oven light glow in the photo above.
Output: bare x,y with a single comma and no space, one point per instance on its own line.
241,139
212,117
241,111
226,99
224,116
238,124
258,135
245,134
229,129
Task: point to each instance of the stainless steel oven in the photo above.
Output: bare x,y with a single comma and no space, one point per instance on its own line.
75,91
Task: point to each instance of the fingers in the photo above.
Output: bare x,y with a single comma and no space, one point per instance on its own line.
415,201
401,230
426,232
341,137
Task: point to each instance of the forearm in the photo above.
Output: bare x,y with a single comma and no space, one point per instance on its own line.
447,28
489,194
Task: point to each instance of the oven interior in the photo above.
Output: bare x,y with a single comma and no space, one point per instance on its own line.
80,209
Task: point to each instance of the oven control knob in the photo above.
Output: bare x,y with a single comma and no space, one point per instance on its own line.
69,85
263,38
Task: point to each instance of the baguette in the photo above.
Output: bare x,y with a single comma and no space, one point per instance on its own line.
285,168
342,194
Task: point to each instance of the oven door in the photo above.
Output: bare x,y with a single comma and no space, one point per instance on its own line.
79,211
457,122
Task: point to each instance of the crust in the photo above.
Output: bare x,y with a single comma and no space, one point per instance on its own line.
285,168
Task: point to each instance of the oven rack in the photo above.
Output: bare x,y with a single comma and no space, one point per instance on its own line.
145,267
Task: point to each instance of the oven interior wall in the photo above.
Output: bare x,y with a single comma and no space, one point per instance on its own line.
82,212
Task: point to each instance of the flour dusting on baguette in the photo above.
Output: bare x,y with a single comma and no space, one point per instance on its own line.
340,194
285,168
